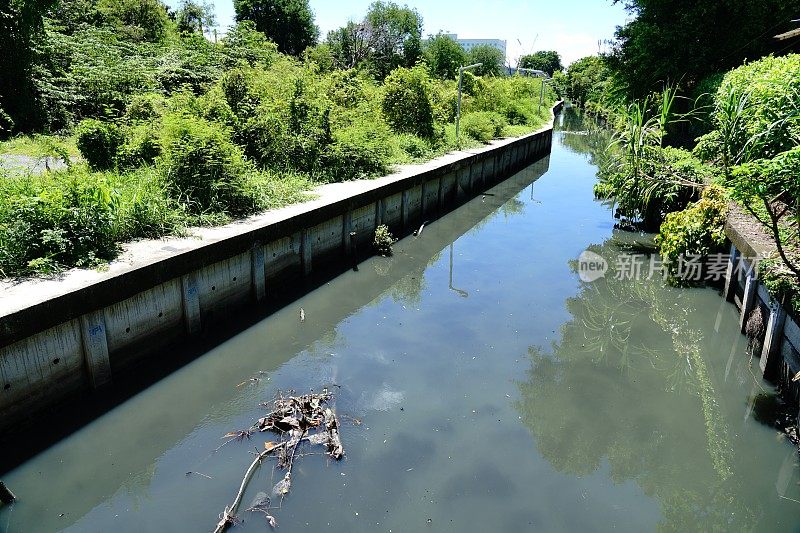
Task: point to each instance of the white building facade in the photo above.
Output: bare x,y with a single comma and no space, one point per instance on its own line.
469,44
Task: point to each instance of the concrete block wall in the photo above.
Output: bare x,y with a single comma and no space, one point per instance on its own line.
779,358
81,340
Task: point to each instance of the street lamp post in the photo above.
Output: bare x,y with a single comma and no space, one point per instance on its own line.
458,107
539,74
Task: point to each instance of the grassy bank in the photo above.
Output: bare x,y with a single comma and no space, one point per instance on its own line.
159,137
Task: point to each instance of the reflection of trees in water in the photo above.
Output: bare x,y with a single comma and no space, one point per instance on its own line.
408,289
583,135
621,387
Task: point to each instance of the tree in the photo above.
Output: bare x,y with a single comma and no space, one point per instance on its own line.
387,38
546,60
21,29
288,23
587,79
194,17
349,45
493,60
395,37
137,20
443,56
674,40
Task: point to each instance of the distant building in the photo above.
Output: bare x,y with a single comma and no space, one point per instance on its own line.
469,44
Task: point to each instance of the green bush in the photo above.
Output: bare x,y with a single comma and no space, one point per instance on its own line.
406,101
99,142
666,181
55,221
766,120
141,146
202,168
767,178
413,146
483,125
235,87
145,107
263,138
781,283
357,152
698,230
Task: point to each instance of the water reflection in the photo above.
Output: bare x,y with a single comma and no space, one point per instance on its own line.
630,384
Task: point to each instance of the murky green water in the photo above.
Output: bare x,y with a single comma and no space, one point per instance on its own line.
498,392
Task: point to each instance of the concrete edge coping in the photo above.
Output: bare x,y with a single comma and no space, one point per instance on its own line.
148,263
738,229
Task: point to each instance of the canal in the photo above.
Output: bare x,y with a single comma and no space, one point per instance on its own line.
482,384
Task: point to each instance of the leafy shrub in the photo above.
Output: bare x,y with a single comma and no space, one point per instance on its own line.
767,178
346,88
698,230
145,107
263,138
406,101
781,283
383,240
141,146
413,145
708,147
55,221
202,168
666,181
235,87
767,107
99,142
483,125
357,152
214,107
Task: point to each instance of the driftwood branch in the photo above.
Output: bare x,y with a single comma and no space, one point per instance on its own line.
6,496
228,516
296,419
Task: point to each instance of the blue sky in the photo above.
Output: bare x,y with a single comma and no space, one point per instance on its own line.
572,27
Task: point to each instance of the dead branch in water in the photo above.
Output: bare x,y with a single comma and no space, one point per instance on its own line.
296,419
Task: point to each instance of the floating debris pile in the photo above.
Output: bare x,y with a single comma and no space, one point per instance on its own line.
296,419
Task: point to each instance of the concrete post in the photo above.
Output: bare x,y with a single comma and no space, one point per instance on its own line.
258,261
730,275
347,228
95,348
305,251
380,212
404,210
771,352
748,300
190,297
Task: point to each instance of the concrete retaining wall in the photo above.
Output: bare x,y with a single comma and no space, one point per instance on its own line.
779,351
79,339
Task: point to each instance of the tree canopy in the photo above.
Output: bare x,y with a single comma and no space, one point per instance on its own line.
546,60
288,23
492,59
387,38
194,17
443,56
21,24
673,40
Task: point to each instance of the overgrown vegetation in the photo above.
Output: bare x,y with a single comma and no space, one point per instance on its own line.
750,141
175,130
695,232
